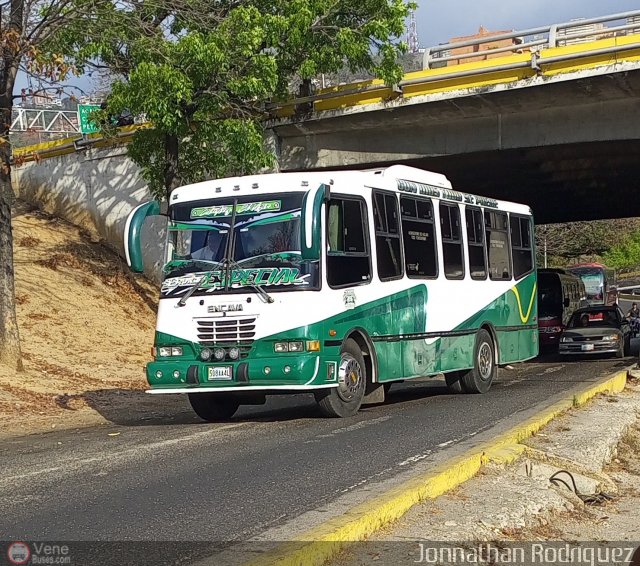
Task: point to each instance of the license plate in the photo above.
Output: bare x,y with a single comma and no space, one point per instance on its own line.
220,372
587,347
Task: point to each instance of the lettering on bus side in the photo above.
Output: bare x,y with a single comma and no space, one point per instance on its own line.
448,194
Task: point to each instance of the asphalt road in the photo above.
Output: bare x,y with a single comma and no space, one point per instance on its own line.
179,479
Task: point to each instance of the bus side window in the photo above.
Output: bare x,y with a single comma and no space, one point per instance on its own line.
475,238
521,248
451,241
387,224
419,237
348,251
497,239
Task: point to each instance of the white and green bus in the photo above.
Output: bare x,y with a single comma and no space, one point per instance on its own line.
336,284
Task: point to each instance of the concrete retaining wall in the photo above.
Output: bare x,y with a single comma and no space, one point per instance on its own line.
95,190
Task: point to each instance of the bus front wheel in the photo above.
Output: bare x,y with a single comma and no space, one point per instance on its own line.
481,376
214,407
345,400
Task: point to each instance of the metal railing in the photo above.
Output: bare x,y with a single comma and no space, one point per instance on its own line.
556,35
49,121
531,41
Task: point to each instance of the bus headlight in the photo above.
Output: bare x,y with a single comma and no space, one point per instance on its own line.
164,351
205,354
218,354
176,350
234,353
296,346
280,347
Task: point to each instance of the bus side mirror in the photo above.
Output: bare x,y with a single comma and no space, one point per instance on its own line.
311,222
132,230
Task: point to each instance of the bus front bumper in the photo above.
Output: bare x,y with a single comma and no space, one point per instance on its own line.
271,373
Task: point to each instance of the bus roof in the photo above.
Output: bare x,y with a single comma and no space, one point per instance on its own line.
395,177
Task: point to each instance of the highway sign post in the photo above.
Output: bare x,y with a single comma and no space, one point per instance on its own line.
87,126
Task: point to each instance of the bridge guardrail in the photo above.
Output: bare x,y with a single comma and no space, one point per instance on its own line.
554,53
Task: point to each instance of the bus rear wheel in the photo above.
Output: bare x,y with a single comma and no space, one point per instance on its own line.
481,376
345,400
214,407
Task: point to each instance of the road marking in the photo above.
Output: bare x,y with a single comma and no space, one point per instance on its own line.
415,458
351,428
552,370
121,454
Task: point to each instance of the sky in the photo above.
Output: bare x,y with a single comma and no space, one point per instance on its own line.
440,20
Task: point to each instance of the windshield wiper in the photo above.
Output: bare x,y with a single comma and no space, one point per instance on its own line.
183,300
258,288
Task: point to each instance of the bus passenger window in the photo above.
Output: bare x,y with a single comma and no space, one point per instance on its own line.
385,213
521,248
451,241
418,235
475,238
497,245
347,243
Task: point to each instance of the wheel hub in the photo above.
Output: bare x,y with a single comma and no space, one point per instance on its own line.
485,361
349,377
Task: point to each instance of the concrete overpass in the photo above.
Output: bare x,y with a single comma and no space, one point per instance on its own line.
549,122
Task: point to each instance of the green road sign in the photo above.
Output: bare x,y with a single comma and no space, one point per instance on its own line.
87,126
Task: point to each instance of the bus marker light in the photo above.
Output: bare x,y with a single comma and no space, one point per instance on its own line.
332,332
176,374
267,370
158,374
218,354
287,369
234,353
313,345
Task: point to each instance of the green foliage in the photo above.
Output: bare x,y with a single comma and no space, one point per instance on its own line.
203,74
574,242
625,255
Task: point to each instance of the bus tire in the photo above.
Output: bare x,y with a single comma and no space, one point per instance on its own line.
454,382
345,400
480,378
214,407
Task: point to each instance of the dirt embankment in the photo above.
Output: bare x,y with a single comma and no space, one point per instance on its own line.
86,328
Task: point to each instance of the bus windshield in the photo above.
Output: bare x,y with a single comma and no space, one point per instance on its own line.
594,282
264,250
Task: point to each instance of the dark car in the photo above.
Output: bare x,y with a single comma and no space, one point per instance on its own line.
597,330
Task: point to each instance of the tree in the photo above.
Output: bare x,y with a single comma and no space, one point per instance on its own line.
205,83
25,28
626,254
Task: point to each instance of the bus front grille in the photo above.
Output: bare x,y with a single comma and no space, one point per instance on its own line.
226,332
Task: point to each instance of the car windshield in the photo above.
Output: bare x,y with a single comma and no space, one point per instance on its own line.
265,249
594,319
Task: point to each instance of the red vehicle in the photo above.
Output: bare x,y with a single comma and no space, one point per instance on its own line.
559,294
599,281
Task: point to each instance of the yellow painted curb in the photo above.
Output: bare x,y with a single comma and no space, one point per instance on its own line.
318,545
